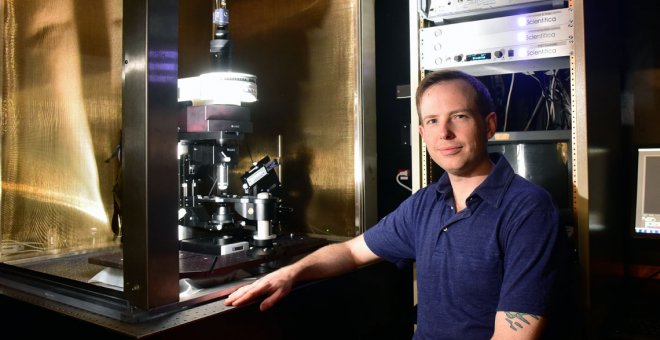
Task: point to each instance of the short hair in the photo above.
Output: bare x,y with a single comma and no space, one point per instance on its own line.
485,103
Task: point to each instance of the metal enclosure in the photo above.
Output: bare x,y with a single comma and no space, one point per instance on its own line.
315,65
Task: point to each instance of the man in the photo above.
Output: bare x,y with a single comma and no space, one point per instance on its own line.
487,243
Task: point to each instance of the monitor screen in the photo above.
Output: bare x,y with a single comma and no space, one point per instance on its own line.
647,215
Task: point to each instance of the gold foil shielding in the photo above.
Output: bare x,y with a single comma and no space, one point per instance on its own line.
61,121
305,53
306,59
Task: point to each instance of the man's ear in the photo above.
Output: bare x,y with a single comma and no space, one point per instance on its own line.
491,124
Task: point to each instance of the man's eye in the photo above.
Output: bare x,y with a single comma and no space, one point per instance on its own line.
431,121
459,116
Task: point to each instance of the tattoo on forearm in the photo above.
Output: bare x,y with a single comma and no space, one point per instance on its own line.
516,320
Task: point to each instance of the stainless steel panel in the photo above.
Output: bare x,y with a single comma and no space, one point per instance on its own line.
149,185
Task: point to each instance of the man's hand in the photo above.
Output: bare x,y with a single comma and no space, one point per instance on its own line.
276,285
331,260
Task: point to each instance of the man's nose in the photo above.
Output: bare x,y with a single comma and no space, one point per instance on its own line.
444,131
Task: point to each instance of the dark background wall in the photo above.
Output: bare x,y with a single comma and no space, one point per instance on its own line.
393,115
640,119
633,54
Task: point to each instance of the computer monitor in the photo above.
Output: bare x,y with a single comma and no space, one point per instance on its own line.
647,207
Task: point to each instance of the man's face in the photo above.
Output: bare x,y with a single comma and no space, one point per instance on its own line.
455,133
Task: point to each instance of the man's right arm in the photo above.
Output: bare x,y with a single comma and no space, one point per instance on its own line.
331,260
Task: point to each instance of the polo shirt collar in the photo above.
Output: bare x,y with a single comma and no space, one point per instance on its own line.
492,189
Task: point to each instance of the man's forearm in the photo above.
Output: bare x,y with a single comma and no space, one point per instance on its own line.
332,260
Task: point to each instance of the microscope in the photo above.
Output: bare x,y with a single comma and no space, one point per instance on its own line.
214,217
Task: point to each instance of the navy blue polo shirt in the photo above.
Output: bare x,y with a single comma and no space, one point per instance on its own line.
501,253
